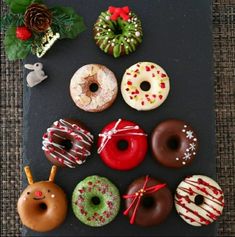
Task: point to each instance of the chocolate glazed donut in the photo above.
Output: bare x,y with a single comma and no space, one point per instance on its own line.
67,143
174,143
151,199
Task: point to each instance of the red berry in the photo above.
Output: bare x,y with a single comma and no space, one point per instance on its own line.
23,33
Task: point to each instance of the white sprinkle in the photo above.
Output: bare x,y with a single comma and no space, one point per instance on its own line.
127,46
24,199
109,29
185,126
106,38
112,44
183,162
107,18
129,14
99,25
128,40
109,41
136,25
113,40
177,158
187,149
121,43
52,195
104,26
195,139
132,40
137,34
79,162
194,153
183,130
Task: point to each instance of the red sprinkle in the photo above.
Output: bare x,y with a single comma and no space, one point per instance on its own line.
162,85
154,96
147,68
152,66
163,75
129,83
160,97
153,75
142,103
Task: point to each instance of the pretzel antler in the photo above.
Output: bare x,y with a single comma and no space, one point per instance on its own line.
28,174
53,173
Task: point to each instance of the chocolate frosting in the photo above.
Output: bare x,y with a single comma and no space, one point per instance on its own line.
161,204
65,145
174,143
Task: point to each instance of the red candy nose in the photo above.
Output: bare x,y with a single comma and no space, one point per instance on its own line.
38,193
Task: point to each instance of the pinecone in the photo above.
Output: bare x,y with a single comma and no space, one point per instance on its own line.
37,17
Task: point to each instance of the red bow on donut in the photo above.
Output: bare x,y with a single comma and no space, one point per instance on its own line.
137,197
122,12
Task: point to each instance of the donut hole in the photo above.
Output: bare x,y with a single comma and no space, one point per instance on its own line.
42,206
122,145
173,143
67,144
145,86
93,87
117,29
95,200
147,202
199,200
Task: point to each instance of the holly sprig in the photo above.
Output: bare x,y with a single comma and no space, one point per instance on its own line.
65,21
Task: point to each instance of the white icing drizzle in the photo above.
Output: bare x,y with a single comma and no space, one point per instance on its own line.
74,156
114,132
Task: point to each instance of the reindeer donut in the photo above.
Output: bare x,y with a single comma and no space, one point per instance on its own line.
43,205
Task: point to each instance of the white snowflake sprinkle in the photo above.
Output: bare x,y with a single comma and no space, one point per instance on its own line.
187,156
192,146
189,134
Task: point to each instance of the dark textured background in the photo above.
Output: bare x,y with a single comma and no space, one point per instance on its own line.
11,124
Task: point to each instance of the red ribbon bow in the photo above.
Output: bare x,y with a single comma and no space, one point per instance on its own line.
122,12
137,197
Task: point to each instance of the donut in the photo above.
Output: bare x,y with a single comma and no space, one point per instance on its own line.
174,143
199,200
148,202
118,31
93,88
67,143
122,145
42,206
95,201
145,86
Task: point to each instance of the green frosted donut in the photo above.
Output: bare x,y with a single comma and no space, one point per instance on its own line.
118,36
95,201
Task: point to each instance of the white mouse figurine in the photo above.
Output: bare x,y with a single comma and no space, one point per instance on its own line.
35,77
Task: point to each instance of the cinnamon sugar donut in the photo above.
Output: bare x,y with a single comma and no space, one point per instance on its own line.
93,88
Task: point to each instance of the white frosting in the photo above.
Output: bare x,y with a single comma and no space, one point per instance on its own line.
134,96
107,87
209,210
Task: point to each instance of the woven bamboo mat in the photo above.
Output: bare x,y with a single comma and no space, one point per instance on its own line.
11,123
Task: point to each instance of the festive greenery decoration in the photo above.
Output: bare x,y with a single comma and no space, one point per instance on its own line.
31,26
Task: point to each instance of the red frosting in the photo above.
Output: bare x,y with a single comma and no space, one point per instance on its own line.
116,158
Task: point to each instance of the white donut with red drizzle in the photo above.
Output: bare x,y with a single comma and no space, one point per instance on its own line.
132,87
199,200
67,143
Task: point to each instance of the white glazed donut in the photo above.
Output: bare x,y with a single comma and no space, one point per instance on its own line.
148,98
104,90
199,200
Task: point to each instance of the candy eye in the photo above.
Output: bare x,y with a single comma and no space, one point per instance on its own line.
28,193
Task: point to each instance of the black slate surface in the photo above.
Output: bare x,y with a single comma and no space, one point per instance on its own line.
177,36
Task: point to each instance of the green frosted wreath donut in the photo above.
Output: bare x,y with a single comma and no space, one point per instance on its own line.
95,201
118,31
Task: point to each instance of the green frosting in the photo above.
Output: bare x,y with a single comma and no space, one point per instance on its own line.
95,201
118,37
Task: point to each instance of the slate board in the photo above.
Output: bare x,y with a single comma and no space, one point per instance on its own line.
177,36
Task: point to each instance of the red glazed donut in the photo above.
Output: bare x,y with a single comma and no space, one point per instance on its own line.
122,145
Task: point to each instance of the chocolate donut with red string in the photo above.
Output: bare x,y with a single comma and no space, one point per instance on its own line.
199,200
122,145
67,143
148,202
